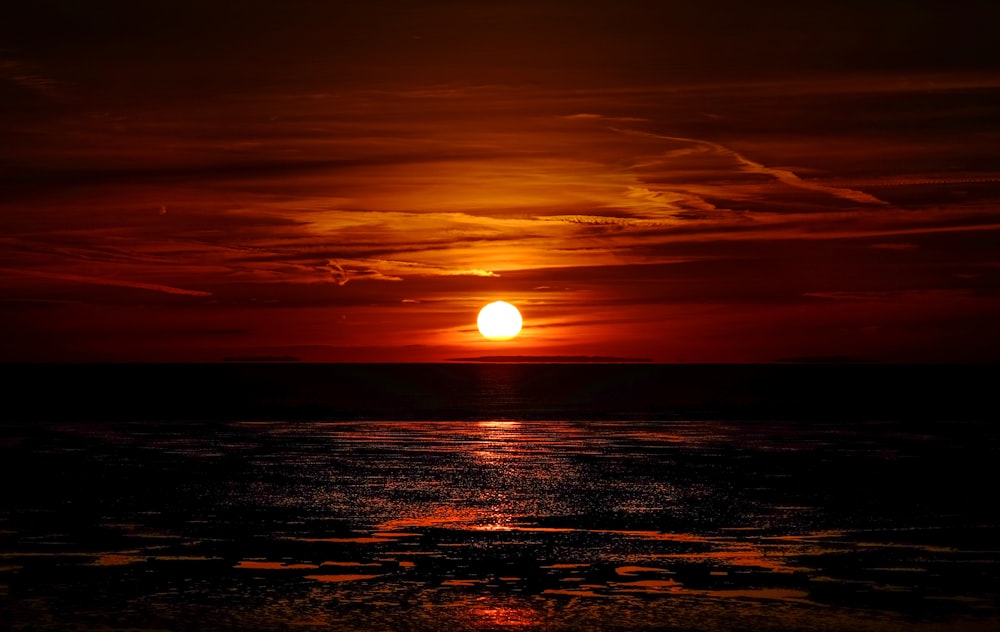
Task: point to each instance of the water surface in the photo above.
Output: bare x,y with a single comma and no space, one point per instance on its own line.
500,525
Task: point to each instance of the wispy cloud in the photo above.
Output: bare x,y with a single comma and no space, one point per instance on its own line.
933,295
784,176
338,272
899,246
584,116
23,75
136,285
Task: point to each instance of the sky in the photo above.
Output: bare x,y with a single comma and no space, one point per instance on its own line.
346,181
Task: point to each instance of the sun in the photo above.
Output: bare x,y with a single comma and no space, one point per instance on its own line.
499,321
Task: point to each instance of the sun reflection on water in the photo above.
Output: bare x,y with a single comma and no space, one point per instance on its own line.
494,616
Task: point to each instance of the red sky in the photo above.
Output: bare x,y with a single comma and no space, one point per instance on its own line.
190,181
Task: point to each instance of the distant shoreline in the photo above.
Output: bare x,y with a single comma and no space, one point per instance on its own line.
488,389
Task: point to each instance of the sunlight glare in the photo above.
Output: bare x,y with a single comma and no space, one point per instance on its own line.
499,321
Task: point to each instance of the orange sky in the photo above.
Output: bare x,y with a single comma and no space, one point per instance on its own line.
191,184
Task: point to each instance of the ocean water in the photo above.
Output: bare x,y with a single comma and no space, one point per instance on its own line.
694,508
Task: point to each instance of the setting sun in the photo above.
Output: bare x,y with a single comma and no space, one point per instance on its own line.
499,321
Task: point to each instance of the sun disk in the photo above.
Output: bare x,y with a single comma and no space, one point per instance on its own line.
499,321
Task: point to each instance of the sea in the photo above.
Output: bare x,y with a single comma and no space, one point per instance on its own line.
499,496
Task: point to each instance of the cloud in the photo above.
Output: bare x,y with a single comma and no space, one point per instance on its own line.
372,274
890,295
643,197
602,220
356,270
895,246
825,359
473,272
782,175
600,117
391,270
904,181
138,285
24,76
337,272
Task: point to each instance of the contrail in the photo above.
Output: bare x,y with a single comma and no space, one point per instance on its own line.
782,175
138,285
915,181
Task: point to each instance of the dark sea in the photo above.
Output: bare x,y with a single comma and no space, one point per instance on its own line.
499,497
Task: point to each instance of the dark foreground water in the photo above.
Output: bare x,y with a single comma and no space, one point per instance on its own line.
848,523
